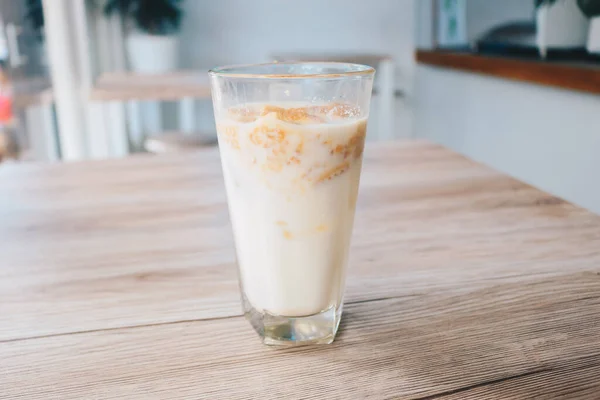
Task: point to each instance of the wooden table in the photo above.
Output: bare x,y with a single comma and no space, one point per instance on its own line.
123,86
117,280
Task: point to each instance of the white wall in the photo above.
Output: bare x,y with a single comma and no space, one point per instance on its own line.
481,16
547,137
242,31
423,26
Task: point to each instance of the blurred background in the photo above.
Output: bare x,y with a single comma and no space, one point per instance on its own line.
514,84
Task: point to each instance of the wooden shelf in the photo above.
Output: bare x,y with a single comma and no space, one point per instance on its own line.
32,91
127,86
43,97
583,77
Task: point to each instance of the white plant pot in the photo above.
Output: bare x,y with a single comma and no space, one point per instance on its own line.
152,54
561,25
593,43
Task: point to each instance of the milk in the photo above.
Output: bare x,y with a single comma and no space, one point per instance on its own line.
292,174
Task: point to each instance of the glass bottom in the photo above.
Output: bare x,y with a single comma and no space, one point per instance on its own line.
277,330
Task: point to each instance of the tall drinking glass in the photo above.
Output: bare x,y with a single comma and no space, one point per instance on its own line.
291,137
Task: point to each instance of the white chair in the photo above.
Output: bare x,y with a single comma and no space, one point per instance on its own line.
172,142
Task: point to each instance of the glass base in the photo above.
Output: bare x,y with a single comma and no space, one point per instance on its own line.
277,330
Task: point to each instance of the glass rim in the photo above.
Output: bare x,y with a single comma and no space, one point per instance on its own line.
342,70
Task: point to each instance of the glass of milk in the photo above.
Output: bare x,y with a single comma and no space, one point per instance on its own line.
291,139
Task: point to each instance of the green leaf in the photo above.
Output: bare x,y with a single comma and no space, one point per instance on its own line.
539,3
591,8
156,17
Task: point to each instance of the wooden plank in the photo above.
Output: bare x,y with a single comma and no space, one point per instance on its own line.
31,91
498,342
40,98
146,240
574,380
126,86
581,77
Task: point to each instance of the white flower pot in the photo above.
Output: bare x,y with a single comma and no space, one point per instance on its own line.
593,43
152,54
561,25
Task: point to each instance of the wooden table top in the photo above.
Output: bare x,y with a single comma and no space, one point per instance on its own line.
117,280
125,86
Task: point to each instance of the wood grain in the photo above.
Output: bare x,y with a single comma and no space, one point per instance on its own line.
117,280
499,342
147,240
581,77
125,86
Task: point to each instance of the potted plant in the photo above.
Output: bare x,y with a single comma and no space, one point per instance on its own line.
560,25
34,15
152,44
591,8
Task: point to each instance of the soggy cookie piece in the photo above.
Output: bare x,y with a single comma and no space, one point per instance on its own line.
298,116
268,137
313,114
333,172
